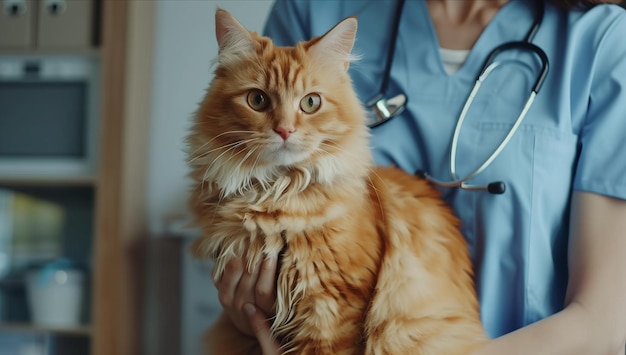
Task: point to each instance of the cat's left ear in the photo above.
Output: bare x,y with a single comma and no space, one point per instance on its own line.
336,45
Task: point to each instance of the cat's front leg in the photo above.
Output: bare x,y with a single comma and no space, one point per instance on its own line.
417,313
326,339
313,314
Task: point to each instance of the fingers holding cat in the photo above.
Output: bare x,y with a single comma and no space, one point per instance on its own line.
261,329
238,287
265,287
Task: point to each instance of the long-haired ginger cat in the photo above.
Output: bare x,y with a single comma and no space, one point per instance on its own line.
372,261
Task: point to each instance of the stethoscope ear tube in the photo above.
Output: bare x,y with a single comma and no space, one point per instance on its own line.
543,57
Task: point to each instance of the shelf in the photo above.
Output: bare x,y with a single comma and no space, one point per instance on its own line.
83,331
83,180
83,52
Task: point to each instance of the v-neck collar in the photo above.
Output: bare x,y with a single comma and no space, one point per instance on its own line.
510,23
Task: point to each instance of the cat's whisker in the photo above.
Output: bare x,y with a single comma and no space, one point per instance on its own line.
192,154
240,152
262,182
205,153
208,168
231,132
232,147
248,155
256,162
218,136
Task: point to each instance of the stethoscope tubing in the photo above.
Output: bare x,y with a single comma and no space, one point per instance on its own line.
379,105
543,57
489,66
495,153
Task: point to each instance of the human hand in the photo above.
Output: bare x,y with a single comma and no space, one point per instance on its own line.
261,329
237,287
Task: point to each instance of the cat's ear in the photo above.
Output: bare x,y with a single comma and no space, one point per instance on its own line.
336,45
232,37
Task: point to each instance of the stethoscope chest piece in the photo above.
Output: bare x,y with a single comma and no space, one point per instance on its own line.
384,109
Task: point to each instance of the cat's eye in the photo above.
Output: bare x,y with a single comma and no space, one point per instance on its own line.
258,100
311,103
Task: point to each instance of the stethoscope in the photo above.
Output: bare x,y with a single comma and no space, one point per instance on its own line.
385,109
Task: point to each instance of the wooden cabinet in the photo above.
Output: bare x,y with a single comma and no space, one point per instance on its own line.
36,24
112,199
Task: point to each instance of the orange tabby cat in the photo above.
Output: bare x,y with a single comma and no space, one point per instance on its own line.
372,259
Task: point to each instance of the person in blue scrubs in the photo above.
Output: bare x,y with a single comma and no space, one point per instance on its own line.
550,253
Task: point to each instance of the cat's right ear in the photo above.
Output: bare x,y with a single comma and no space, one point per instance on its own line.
232,37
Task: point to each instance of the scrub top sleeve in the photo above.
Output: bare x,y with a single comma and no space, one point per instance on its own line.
287,22
602,163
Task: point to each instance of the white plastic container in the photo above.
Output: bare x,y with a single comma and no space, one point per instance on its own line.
55,296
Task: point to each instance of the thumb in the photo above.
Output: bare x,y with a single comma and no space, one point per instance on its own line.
261,328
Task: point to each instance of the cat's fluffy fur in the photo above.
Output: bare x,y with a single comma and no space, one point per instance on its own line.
372,260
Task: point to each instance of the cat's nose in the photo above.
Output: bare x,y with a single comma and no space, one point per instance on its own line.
284,132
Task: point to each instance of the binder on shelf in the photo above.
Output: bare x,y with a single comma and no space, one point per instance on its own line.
17,24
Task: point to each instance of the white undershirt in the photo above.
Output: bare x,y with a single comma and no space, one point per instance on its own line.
453,59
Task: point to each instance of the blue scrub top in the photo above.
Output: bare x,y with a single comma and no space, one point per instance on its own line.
573,138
